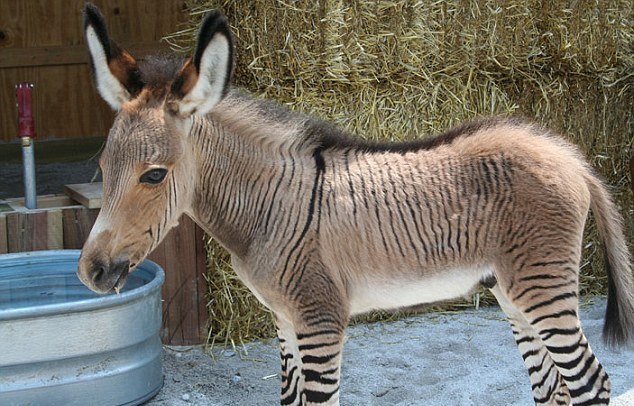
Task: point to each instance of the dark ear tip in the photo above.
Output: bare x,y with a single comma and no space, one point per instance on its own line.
92,16
214,22
215,17
88,6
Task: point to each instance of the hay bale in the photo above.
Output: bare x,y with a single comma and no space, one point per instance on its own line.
399,69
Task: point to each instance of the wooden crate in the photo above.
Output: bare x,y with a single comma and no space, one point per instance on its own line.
32,230
62,223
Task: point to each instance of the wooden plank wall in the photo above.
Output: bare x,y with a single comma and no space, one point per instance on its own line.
37,230
41,41
182,255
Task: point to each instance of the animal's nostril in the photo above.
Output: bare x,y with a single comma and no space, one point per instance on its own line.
99,272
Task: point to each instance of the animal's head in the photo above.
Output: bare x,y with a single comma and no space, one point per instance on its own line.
146,163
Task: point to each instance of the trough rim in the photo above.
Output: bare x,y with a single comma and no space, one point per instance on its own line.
65,256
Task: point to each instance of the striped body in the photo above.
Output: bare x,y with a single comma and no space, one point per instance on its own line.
322,226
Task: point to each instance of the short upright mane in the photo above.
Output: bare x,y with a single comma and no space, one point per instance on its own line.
158,71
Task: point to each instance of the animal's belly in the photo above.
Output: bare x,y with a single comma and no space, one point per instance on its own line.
375,292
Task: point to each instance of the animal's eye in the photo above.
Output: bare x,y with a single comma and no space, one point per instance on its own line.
153,176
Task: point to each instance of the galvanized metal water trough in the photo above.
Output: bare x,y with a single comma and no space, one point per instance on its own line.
61,344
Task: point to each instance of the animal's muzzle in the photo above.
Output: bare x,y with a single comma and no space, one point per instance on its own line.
102,275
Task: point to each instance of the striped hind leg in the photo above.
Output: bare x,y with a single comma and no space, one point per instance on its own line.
546,295
555,319
548,386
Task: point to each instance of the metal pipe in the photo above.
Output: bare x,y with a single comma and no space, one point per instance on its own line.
30,196
26,131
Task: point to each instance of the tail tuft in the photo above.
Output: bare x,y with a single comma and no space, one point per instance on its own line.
618,329
615,331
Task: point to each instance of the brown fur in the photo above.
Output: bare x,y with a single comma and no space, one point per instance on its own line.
124,67
185,80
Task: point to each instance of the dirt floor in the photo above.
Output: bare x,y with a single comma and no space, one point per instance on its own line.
461,359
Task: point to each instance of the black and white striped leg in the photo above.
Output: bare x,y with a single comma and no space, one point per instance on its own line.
555,320
548,386
320,351
311,362
551,310
292,379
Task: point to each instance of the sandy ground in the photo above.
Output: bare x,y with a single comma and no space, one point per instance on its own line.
466,358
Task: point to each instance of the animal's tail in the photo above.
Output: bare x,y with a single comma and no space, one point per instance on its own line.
619,316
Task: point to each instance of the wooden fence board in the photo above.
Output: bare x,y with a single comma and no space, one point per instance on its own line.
54,230
35,230
33,23
88,194
179,254
4,246
77,224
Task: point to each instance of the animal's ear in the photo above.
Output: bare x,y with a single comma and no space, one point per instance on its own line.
204,79
115,71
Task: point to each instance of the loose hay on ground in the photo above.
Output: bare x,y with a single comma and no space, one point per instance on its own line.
401,69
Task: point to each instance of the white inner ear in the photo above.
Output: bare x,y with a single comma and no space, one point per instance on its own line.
108,85
207,91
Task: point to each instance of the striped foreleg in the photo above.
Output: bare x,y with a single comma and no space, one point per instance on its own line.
310,366
319,320
320,352
292,379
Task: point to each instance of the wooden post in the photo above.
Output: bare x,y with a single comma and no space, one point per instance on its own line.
77,224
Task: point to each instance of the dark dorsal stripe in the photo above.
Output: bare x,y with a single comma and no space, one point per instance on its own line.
326,136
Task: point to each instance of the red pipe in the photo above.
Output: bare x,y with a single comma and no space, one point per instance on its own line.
26,124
